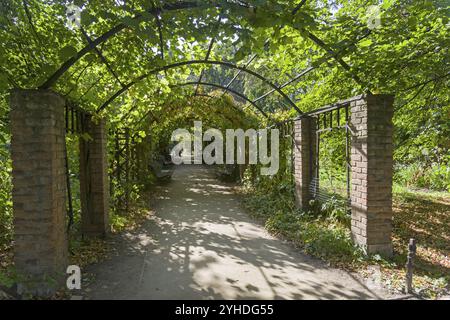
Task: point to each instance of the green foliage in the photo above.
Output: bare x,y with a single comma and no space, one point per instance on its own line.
7,278
6,217
323,236
434,177
322,231
118,222
334,208
407,55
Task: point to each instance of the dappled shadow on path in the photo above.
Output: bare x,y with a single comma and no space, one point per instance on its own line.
201,245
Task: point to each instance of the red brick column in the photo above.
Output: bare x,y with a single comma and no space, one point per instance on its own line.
304,159
371,174
39,189
94,184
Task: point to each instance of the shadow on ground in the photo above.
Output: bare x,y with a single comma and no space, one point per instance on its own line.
428,221
202,245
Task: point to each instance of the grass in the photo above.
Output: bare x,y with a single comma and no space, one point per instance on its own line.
424,216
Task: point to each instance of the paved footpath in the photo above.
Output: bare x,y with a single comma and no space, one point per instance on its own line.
200,244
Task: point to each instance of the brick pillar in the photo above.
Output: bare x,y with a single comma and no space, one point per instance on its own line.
94,184
39,189
371,174
304,159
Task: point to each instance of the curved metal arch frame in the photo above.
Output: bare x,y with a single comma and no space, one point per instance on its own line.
208,84
200,95
167,7
205,95
127,86
92,45
112,32
197,95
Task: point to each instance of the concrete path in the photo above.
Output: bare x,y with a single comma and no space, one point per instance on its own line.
202,245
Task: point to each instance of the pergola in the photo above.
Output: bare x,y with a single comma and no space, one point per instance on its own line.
40,117
94,45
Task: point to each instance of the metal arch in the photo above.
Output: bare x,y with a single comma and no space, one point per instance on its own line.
313,66
119,27
112,32
253,57
214,97
196,95
338,59
149,112
190,62
172,7
210,46
200,95
293,13
158,19
208,84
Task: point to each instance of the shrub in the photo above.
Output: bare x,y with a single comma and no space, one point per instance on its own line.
435,176
6,216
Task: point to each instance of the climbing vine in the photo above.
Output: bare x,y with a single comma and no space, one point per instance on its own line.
271,58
